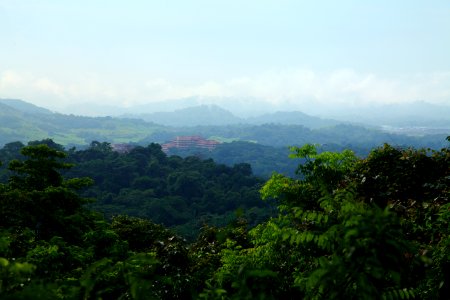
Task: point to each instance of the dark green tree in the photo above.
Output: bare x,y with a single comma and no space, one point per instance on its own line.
39,198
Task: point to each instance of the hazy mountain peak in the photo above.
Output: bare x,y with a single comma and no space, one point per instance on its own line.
25,107
193,116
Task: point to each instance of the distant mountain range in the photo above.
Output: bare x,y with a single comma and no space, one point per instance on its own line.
243,107
213,115
191,116
22,121
404,117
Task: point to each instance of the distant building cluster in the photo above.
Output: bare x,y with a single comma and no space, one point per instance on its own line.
189,142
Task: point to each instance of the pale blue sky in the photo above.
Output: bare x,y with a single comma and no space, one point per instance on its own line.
58,53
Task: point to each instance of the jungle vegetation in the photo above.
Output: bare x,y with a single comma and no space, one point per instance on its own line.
344,227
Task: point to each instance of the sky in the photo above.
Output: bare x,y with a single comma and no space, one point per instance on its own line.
296,54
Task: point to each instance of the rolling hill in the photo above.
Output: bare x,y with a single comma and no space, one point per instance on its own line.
22,121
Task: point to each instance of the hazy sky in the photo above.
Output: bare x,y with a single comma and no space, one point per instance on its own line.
58,53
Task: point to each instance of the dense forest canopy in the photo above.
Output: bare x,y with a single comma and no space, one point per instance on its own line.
345,227
178,192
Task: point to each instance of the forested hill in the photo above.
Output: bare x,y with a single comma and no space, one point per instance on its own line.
213,115
182,193
347,228
22,106
21,121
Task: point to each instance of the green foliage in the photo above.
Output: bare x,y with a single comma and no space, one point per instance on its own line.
40,170
263,159
326,169
140,273
104,242
173,191
365,258
13,275
321,173
347,228
38,197
103,279
330,240
141,234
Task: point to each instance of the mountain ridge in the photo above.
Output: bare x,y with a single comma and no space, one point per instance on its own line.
214,115
275,129
24,106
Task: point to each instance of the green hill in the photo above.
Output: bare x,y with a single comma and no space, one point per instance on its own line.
25,107
20,121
